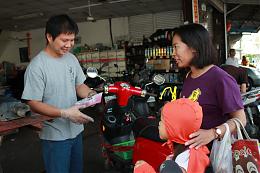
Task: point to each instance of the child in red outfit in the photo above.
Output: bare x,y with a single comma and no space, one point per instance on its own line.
179,119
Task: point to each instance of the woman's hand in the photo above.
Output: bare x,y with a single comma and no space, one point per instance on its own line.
139,163
143,167
200,138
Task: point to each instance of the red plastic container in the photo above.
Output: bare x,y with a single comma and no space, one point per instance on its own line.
150,151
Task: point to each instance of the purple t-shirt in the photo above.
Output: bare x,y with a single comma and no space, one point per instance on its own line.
217,93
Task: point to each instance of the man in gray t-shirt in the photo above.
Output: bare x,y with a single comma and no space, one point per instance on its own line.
53,80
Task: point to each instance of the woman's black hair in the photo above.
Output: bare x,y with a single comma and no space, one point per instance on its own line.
197,37
60,24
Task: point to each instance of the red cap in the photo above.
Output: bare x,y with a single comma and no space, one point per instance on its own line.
181,118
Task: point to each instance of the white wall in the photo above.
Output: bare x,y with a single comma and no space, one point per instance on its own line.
147,24
98,32
90,33
7,44
3,41
16,40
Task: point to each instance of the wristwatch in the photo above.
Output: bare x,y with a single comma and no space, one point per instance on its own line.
218,133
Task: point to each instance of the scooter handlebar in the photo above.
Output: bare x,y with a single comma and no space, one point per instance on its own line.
101,89
151,94
124,91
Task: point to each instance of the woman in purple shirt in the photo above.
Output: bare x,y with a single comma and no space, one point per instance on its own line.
215,90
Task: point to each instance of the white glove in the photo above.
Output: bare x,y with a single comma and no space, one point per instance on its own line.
91,93
75,115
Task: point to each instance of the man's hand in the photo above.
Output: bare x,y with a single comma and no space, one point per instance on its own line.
200,138
75,115
91,93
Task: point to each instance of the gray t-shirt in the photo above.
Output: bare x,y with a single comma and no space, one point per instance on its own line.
53,81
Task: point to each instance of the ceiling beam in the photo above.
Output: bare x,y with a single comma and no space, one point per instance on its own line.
258,28
244,2
233,9
250,16
218,4
244,19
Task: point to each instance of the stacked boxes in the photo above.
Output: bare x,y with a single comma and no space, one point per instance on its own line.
160,64
96,59
103,59
121,60
112,60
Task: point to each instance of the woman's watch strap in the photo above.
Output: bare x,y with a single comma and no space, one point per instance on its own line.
218,133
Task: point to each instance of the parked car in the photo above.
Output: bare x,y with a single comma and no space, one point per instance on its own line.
253,77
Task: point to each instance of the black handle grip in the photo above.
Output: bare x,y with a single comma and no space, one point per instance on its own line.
99,89
151,94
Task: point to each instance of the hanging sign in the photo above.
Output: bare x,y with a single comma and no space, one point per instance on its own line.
195,11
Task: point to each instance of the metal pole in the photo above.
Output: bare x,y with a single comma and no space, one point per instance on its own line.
225,30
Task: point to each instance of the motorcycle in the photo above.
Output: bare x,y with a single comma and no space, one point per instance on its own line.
251,104
122,108
97,82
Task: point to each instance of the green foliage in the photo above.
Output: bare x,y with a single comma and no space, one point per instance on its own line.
253,57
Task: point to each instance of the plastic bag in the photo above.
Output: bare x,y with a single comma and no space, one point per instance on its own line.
221,153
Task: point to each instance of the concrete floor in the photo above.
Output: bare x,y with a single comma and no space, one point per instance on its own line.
21,152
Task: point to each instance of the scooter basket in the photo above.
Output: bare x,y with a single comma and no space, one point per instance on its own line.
124,150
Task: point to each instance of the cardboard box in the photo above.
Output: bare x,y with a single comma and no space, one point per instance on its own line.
103,55
88,56
120,53
112,69
86,65
150,62
162,64
105,68
111,64
111,54
96,65
80,57
120,63
113,74
95,55
122,68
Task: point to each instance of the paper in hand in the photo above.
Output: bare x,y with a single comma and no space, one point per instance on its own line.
90,101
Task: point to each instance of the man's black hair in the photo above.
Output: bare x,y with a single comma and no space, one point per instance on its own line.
59,24
197,37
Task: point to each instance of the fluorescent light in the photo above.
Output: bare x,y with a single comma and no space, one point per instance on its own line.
28,16
117,1
85,6
90,18
97,4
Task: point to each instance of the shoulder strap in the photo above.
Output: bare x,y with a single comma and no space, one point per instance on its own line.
240,126
187,74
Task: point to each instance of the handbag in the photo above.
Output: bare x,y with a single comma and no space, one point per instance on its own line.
221,153
245,152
